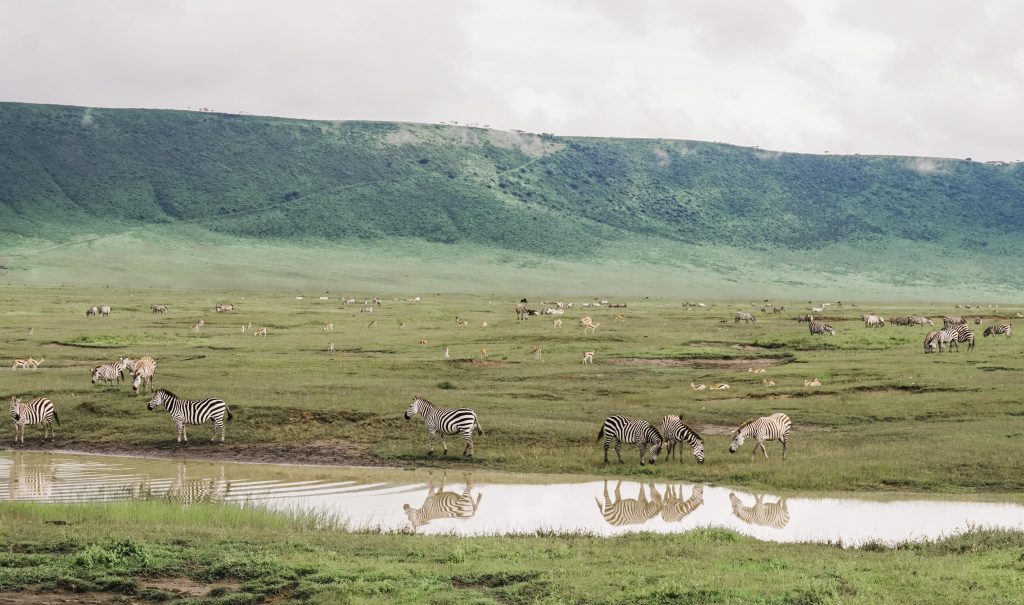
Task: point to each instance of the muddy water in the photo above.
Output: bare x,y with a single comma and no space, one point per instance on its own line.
491,504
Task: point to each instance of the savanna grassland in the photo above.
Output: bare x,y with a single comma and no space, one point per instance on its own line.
888,418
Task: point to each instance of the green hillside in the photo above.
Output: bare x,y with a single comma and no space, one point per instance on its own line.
80,188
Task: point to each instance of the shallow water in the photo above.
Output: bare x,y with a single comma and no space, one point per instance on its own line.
492,504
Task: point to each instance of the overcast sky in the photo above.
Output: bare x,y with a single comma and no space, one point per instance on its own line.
930,78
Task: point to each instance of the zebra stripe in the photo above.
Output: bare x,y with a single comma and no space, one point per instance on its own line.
774,514
630,430
629,511
674,508
674,431
38,411
440,504
820,327
143,372
951,336
446,422
953,321
766,428
109,372
188,411
745,317
997,329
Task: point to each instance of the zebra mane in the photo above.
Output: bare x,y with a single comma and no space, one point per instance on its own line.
166,392
742,426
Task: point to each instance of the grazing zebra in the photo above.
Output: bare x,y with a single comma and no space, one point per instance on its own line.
91,311
774,514
930,341
443,422
997,329
805,318
104,310
588,324
188,411
440,504
630,430
873,321
953,321
109,372
978,321
160,309
674,507
745,317
766,428
674,431
221,307
820,327
629,511
143,372
37,411
951,336
588,357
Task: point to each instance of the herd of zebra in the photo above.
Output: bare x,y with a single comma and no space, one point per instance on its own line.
620,429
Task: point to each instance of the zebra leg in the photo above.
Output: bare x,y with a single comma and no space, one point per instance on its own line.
643,448
618,451
785,442
764,450
443,444
469,444
431,441
607,444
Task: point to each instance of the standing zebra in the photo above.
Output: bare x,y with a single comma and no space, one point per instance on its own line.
143,372
105,311
951,336
745,317
766,428
186,411
109,372
820,327
674,431
630,430
160,309
37,411
440,504
629,511
446,422
674,507
774,514
92,311
953,321
997,329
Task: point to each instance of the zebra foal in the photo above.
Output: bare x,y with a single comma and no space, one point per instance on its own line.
630,430
38,411
997,329
443,422
766,428
188,411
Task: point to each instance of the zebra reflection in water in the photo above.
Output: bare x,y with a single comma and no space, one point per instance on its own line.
771,514
186,491
674,507
440,504
629,511
31,480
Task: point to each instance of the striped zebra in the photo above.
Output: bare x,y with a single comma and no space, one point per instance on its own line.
187,411
38,411
440,504
629,511
630,430
772,514
997,329
142,373
873,321
744,317
222,307
160,309
918,320
105,311
674,431
953,321
109,372
820,327
442,421
674,507
766,428
92,311
951,336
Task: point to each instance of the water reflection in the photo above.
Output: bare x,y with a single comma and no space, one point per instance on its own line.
674,507
440,504
767,514
31,478
213,488
629,511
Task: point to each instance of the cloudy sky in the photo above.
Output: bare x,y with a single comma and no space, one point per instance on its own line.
931,78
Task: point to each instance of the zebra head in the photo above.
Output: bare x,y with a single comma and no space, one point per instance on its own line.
15,414
656,443
157,400
95,375
414,408
698,451
136,382
737,441
127,363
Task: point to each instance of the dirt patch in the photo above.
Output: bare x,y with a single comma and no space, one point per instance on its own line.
188,587
749,348
477,363
735,363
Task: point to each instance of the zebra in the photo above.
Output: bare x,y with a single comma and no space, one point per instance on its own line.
953,321
674,507
997,329
187,411
773,514
160,309
630,430
951,336
109,372
92,311
629,511
38,411
930,341
766,428
521,311
919,320
221,307
444,421
745,317
440,504
674,431
105,311
964,334
873,321
142,373
820,327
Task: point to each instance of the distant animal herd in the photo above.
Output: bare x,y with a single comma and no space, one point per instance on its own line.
441,422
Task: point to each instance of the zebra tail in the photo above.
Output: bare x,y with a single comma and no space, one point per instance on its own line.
230,415
56,417
479,429
600,433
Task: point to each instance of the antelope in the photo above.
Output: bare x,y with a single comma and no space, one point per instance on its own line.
537,353
588,357
557,323
483,353
720,386
423,341
260,332
767,383
698,387
618,317
814,382
198,324
330,347
329,327
757,371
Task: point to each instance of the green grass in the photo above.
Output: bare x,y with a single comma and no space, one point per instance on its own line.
124,549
